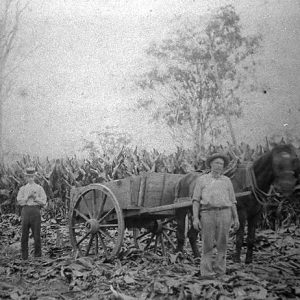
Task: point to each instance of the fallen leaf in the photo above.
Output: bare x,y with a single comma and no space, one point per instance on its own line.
121,296
128,279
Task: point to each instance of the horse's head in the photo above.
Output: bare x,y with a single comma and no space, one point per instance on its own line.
286,165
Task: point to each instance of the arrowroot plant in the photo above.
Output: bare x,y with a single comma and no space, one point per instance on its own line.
58,176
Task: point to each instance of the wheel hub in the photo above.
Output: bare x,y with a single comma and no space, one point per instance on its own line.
92,225
158,227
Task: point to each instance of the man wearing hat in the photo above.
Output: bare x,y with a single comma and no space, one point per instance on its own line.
214,210
31,198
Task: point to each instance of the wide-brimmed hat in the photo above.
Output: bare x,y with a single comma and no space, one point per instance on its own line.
217,155
30,171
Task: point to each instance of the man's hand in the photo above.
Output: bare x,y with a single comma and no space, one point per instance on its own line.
236,224
32,196
196,224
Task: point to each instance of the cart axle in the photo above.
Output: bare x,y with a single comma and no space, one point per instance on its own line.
92,225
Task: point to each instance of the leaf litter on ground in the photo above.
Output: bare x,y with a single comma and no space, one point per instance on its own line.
59,274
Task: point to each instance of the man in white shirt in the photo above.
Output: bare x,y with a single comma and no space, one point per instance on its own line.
31,197
214,210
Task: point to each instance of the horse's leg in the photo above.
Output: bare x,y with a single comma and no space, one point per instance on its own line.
252,223
240,236
180,230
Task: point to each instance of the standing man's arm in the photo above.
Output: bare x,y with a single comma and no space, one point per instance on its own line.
41,198
235,217
196,220
236,222
21,198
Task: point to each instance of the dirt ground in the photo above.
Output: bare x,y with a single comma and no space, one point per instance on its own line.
59,274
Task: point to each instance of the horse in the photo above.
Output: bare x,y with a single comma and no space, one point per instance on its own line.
279,167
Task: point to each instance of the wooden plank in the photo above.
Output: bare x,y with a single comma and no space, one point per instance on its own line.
141,197
160,189
179,204
169,188
237,195
131,190
150,210
163,189
243,194
153,190
135,182
182,199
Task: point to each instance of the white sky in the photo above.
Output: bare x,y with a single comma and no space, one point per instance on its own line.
77,80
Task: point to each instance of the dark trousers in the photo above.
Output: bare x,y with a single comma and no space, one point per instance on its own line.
31,218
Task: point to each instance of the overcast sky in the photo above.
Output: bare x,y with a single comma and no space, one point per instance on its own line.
77,79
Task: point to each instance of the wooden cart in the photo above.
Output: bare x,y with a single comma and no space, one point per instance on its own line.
101,213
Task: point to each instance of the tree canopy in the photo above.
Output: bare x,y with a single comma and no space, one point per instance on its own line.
195,74
10,14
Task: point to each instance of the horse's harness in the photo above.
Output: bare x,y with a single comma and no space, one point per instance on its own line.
272,198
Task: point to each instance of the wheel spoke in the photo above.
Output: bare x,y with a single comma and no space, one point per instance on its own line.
93,203
97,243
108,225
87,206
149,242
142,235
167,221
81,214
101,207
169,229
169,240
89,245
82,239
106,234
156,242
162,245
103,244
106,215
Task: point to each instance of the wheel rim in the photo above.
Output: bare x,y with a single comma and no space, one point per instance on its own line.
159,237
96,222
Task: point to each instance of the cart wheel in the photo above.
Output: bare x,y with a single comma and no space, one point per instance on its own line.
96,222
159,236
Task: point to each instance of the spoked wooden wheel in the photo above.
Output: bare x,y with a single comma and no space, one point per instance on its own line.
158,236
96,222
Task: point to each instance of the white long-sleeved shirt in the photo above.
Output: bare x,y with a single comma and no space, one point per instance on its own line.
31,194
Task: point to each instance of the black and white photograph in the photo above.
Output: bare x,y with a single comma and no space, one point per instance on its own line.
149,149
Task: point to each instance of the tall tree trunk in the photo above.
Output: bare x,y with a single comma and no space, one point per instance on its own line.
222,98
202,141
198,133
230,127
197,141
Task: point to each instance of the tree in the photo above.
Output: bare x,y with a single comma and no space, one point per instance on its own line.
107,142
183,82
231,53
195,74
10,14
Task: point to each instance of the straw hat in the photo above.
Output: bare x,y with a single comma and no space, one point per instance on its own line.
217,155
30,171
